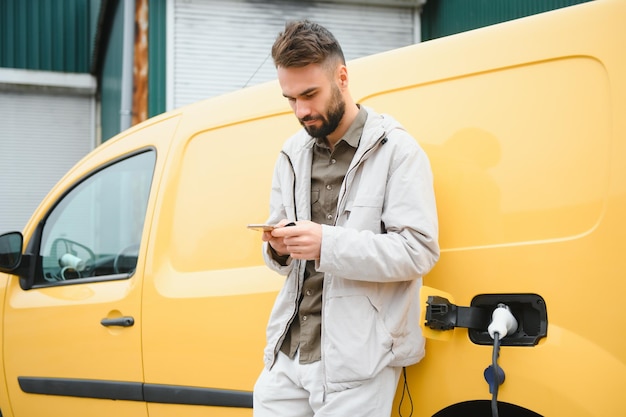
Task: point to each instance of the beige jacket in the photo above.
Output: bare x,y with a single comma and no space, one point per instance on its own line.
383,241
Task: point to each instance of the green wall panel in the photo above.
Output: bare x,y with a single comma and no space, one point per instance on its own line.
447,17
49,35
156,57
111,76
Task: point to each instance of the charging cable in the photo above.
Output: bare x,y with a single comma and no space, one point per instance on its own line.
502,324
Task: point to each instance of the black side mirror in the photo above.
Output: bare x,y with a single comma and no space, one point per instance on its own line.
11,251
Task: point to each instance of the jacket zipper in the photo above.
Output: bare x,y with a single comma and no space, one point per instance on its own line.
298,265
293,186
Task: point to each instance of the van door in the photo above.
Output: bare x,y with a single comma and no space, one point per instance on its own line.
207,292
72,336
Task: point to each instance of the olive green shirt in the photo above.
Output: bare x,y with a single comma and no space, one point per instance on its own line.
328,170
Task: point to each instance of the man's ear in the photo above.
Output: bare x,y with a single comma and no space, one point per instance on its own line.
342,78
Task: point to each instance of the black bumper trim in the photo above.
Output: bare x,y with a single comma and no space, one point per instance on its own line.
136,391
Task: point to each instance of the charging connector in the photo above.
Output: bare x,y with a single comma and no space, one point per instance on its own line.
502,322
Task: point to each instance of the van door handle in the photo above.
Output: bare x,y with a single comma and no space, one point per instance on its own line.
125,321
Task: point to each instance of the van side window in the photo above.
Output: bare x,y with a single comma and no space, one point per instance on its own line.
95,229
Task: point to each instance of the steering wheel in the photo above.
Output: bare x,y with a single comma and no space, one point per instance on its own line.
125,261
67,272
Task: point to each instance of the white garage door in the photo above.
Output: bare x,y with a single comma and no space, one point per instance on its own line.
218,46
42,135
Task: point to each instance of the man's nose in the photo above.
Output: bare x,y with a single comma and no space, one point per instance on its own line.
302,109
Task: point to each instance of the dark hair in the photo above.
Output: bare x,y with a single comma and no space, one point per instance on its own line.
303,43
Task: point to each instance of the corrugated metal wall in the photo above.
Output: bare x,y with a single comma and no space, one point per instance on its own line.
41,137
49,35
447,17
156,57
111,76
110,71
220,46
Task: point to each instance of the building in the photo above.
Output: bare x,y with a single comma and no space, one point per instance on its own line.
74,73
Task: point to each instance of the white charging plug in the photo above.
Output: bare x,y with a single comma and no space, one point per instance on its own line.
502,322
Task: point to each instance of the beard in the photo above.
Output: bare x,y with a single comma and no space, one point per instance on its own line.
335,110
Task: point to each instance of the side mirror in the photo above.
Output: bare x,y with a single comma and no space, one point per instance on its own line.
11,251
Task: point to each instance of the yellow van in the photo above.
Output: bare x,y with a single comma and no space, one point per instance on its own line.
137,290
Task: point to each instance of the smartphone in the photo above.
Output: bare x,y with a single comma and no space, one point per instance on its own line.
267,227
261,227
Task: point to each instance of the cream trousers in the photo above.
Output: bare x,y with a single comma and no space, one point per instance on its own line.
290,389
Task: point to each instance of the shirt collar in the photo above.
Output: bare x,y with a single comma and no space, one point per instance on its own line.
353,135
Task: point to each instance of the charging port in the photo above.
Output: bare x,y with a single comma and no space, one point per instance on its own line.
528,309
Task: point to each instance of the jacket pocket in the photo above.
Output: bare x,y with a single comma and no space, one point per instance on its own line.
364,214
357,344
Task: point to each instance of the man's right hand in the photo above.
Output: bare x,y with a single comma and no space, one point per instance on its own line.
302,241
277,243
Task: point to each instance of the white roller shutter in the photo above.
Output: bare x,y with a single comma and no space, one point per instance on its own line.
218,46
42,135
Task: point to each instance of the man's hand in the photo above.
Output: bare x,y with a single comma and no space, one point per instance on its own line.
302,241
276,242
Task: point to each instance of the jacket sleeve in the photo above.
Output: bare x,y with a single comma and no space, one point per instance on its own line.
407,248
278,212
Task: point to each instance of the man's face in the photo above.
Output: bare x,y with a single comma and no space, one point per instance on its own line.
314,97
